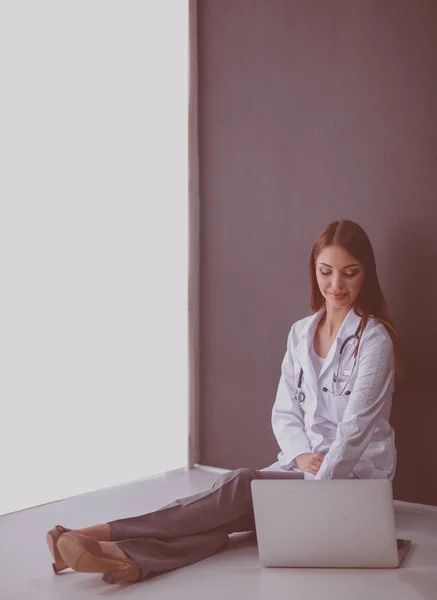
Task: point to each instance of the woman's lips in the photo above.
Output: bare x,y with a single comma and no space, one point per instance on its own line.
338,296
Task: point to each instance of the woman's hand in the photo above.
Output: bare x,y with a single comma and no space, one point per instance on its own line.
309,462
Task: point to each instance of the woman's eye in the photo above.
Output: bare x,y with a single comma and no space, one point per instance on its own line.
350,274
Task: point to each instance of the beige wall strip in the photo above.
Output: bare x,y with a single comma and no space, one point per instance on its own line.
194,250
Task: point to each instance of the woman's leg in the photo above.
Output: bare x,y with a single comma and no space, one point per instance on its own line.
102,532
154,556
187,530
228,500
193,528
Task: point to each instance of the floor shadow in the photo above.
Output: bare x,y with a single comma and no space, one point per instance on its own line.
423,582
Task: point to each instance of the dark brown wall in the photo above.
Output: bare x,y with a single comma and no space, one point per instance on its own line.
311,111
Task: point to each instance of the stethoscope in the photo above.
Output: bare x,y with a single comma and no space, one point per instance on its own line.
297,395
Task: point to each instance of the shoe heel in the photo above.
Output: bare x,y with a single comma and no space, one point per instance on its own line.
52,538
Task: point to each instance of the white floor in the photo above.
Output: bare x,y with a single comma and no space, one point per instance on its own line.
25,564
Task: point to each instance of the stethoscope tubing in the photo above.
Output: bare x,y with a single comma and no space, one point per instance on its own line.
300,395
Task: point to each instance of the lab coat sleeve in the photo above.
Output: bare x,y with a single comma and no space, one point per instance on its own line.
288,415
375,375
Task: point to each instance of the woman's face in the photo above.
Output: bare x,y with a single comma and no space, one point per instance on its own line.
339,275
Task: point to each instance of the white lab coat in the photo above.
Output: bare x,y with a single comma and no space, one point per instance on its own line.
352,431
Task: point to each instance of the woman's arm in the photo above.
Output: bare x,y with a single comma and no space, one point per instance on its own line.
288,415
375,375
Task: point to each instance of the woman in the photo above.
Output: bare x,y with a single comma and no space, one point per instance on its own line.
330,418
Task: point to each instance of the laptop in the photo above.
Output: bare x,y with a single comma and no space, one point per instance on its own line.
332,523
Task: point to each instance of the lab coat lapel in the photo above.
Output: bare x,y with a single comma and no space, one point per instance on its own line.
302,351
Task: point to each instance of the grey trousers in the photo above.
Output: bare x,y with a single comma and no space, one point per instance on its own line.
193,528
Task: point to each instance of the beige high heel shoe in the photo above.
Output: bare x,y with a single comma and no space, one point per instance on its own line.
52,542
84,554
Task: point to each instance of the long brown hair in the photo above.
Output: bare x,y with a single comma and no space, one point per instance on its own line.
370,301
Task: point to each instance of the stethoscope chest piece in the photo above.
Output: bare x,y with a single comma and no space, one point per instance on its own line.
297,395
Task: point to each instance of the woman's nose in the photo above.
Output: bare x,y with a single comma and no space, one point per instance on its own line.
337,282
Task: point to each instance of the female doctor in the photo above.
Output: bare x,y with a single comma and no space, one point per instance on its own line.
330,418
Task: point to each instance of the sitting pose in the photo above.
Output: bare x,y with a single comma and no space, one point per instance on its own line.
330,418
